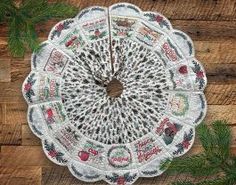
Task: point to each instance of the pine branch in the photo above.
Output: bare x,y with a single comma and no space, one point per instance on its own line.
207,139
30,36
15,44
223,138
215,159
196,165
62,10
5,7
216,181
22,20
55,10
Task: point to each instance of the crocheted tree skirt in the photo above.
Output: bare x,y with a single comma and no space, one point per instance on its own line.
115,92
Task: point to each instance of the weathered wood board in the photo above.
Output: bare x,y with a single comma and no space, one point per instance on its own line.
212,26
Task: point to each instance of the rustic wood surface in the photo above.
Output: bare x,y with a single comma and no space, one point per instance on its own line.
212,26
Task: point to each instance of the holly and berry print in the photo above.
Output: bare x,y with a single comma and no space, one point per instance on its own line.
28,87
97,34
199,74
53,153
121,179
159,19
185,144
61,26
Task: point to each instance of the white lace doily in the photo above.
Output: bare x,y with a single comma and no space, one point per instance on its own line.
114,92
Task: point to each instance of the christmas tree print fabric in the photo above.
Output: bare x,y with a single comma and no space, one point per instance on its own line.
115,92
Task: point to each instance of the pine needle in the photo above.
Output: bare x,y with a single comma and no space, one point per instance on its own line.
61,9
30,36
5,6
223,138
216,181
215,159
207,139
15,44
196,165
23,19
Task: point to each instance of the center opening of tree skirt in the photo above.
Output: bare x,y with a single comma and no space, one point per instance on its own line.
114,88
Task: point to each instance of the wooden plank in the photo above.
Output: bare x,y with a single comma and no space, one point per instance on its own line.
16,113
20,175
220,73
207,30
165,179
12,156
5,69
182,9
20,68
222,94
3,48
50,176
28,138
219,51
11,92
2,113
10,134
221,112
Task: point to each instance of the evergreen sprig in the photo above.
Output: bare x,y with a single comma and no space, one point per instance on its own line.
214,160
22,19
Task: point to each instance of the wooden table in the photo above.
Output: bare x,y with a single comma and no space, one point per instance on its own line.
212,26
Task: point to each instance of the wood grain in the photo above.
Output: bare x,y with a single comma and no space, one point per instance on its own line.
20,175
14,156
28,138
221,112
5,69
15,113
222,94
2,113
216,51
183,9
212,26
50,176
207,30
4,53
10,134
220,73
